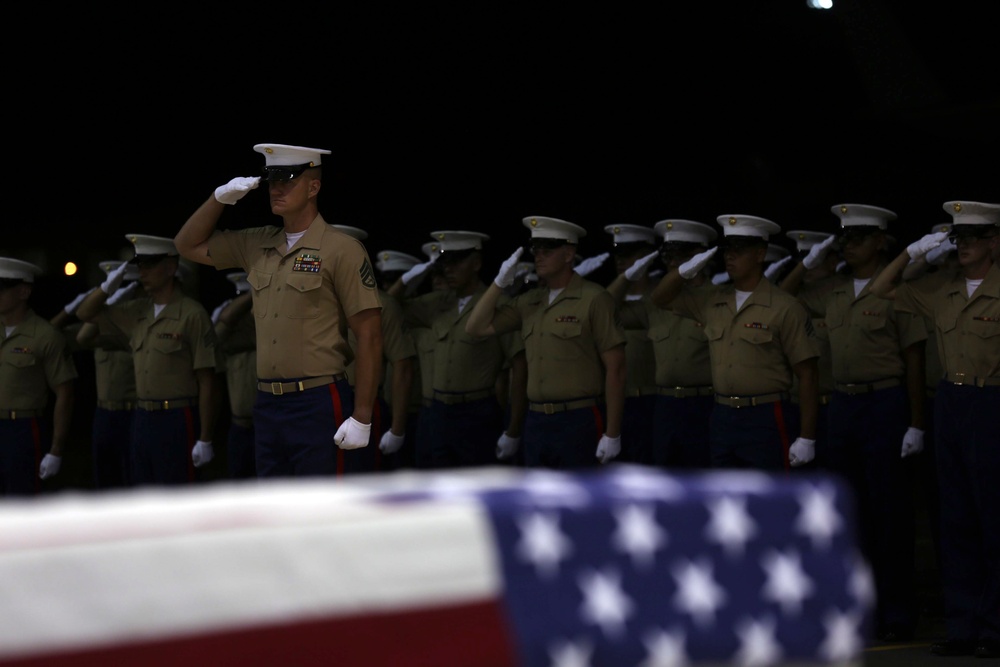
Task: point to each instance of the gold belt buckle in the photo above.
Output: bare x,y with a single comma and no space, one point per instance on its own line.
961,379
736,401
277,389
165,405
548,408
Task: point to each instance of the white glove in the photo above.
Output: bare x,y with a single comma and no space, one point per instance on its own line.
417,270
507,446
352,434
122,292
218,310
591,264
71,307
50,466
390,442
202,453
640,267
505,276
114,279
913,442
720,278
236,189
938,255
817,253
774,268
802,451
925,244
608,448
690,268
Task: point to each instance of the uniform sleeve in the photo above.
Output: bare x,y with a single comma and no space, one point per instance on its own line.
202,334
354,280
799,340
604,323
397,343
59,364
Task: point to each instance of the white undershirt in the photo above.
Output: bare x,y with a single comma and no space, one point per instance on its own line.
291,239
553,293
157,309
972,285
859,284
741,298
463,302
9,331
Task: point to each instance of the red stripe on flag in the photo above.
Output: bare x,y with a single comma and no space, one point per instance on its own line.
464,635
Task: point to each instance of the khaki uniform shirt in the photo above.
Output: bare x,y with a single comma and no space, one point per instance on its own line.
167,349
866,333
640,362
967,329
680,347
33,362
564,340
397,344
114,371
301,297
461,363
239,352
753,350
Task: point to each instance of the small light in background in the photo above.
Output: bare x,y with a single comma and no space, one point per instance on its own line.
820,4
70,269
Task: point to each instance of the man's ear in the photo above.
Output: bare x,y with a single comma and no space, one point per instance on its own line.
314,186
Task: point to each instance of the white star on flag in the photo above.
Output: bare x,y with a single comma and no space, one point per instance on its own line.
542,543
665,649
604,602
786,583
819,518
551,488
758,646
843,641
638,534
636,482
861,584
571,654
730,525
697,592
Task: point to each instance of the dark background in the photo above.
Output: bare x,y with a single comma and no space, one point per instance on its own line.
472,116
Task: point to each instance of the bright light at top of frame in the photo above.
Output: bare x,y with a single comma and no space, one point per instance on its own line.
820,4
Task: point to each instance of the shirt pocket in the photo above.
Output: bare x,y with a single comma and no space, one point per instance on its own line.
259,281
567,343
304,296
756,336
20,360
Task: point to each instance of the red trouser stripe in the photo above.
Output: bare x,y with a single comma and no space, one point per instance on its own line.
779,417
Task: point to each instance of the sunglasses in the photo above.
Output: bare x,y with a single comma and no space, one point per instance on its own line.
7,283
545,245
147,260
453,256
741,243
285,173
856,234
631,249
972,234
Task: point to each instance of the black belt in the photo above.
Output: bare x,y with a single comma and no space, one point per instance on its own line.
684,392
20,414
640,392
151,406
279,388
750,401
962,378
552,408
457,397
116,405
852,388
822,399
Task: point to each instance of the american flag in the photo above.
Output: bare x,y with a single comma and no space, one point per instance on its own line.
621,566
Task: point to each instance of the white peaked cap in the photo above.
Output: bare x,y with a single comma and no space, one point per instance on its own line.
283,155
973,212
151,245
109,265
747,225
16,269
854,215
393,260
451,240
553,228
631,234
805,239
674,230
